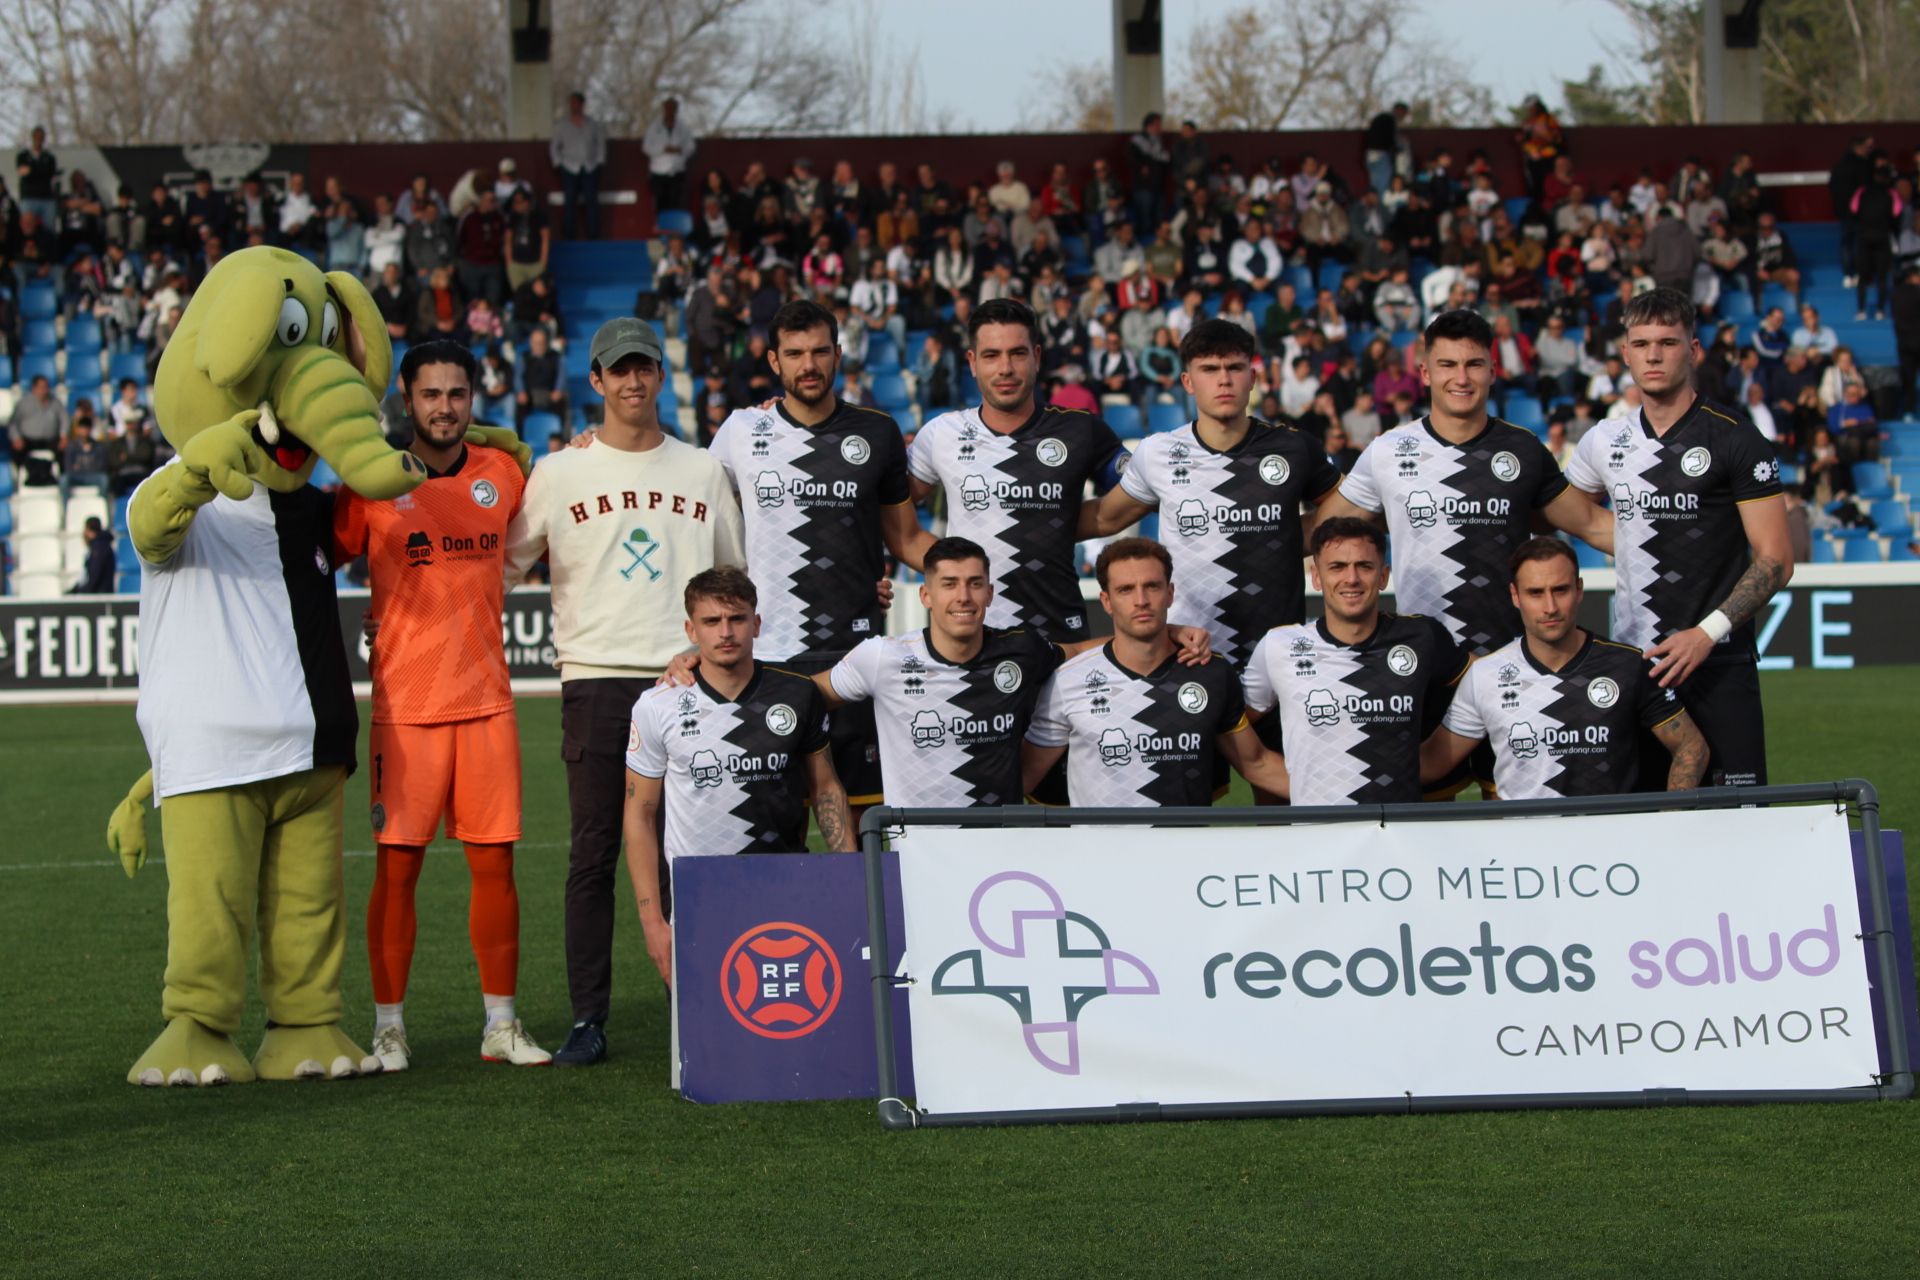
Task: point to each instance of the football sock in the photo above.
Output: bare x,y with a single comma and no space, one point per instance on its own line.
391,923
499,1008
493,921
388,1015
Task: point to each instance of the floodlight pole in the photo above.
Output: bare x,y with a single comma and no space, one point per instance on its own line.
1139,80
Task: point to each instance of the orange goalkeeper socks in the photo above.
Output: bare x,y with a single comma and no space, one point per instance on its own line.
391,923
493,917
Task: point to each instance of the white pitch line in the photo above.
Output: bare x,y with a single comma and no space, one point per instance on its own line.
157,860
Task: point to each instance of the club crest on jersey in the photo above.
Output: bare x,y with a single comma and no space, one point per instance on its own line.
1096,680
1623,438
767,489
927,730
1192,697
484,494
1322,710
1115,750
1300,645
1506,467
1509,674
1050,452
1178,452
1406,447
1274,469
781,719
1191,518
855,450
1523,741
973,493
1402,660
1006,676
705,768
1602,692
1422,511
1695,461
763,425
633,735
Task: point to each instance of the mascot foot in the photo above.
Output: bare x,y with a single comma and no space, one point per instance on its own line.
312,1053
188,1054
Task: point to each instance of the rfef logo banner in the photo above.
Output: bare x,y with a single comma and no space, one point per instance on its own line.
1105,966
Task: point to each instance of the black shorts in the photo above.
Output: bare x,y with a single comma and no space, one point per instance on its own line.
1723,697
856,742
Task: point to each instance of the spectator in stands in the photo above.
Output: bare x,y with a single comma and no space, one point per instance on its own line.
132,455
669,144
481,237
1795,383
1606,386
1514,360
1825,478
751,381
1727,256
1851,172
126,410
255,209
1361,423
1672,252
493,401
822,270
36,256
1254,261
119,313
1396,308
1855,429
539,384
1759,413
1324,227
1160,367
419,191
1121,255
301,223
1703,207
875,301
385,237
1840,373
529,240
208,213
953,266
800,191
83,461
537,306
1559,447
39,421
711,320
346,238
1876,210
1115,372
1740,192
97,578
579,152
38,172
438,311
1152,165
1906,333
393,297
1817,339
429,240
1386,149
166,222
936,372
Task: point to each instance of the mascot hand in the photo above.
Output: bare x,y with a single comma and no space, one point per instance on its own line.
506,441
224,456
127,828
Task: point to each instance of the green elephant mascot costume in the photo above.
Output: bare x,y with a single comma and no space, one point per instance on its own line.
245,699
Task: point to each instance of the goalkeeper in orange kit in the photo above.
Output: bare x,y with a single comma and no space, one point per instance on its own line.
444,739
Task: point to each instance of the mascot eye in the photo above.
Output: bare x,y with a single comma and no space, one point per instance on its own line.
294,322
329,324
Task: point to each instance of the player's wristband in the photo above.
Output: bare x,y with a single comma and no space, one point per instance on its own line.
1717,625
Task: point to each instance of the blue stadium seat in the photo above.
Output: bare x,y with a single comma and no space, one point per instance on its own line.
538,427
1589,557
38,336
1902,549
83,334
1861,551
6,479
1301,278
128,584
1823,550
881,357
37,364
1789,474
1259,304
6,371
1124,419
120,505
1163,417
39,302
673,222
85,372
6,525
324,476
1522,410
133,364
1870,481
1736,304
1330,274
890,393
1516,207
125,558
1404,338
1889,514
1774,295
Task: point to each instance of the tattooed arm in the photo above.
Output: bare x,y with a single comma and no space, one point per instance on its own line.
829,799
640,821
1765,521
1681,737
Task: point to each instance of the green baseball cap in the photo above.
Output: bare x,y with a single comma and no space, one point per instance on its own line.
625,336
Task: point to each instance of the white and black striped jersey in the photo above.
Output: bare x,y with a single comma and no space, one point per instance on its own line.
1571,732
243,670
1352,717
1232,523
949,732
1138,740
1018,495
1456,512
811,497
735,768
1678,542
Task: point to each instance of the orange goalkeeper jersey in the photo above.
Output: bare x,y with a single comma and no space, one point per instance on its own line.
436,557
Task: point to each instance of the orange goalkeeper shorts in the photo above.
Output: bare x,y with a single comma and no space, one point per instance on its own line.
467,771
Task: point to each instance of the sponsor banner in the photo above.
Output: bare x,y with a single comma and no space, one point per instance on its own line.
1088,968
772,989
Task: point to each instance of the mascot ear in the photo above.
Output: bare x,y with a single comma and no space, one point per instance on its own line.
241,322
367,345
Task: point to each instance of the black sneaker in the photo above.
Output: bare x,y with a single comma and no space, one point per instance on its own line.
586,1046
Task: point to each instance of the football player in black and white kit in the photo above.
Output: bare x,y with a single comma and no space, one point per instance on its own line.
1015,475
1229,489
1359,690
1459,491
735,759
1702,539
823,488
1144,729
1563,708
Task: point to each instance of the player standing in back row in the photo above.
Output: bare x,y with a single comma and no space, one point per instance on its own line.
1701,540
444,738
824,493
1015,475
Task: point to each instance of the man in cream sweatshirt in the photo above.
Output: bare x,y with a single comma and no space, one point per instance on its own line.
624,523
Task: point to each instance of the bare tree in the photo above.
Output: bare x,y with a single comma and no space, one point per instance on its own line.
1075,99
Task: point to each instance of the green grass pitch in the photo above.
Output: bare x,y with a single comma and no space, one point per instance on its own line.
465,1170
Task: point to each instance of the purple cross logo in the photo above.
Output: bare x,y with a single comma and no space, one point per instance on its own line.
1001,912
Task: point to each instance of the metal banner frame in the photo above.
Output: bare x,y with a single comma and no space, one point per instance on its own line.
1896,1085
